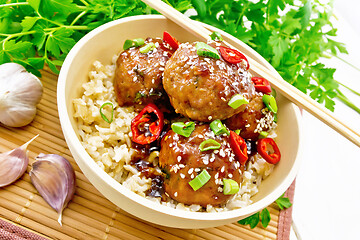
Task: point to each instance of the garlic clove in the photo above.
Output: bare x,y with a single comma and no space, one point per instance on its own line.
20,92
54,178
13,164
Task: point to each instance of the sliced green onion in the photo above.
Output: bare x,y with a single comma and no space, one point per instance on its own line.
147,48
103,115
216,36
184,129
218,128
263,134
237,131
209,144
133,43
230,186
270,103
202,49
237,100
200,180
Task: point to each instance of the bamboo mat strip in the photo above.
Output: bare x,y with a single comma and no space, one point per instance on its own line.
89,215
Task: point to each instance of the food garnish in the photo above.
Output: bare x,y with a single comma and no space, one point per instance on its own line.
147,48
218,127
54,178
147,125
230,186
261,85
233,56
200,180
133,43
269,150
209,144
263,134
264,215
167,38
13,164
216,36
184,129
238,145
20,92
237,100
270,103
103,115
202,49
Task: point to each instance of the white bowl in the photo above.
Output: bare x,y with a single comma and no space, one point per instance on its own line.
101,44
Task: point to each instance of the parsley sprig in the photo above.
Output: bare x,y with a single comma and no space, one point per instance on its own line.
292,35
264,215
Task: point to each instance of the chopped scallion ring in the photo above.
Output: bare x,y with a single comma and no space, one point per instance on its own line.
218,128
270,103
133,43
147,48
237,100
237,131
230,186
202,49
216,36
263,134
103,115
209,144
200,180
184,129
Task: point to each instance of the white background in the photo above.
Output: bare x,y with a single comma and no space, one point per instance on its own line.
327,192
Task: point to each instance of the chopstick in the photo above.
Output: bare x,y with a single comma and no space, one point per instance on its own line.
286,89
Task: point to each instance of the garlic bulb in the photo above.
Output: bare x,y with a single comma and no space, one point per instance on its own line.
20,91
13,164
54,178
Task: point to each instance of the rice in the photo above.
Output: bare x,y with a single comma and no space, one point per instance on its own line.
110,144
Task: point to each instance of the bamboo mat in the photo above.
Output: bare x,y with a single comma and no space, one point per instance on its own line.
89,215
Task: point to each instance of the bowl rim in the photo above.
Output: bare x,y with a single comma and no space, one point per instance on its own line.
72,140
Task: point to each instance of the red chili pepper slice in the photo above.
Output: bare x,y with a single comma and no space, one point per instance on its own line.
233,56
147,125
261,84
238,145
268,149
174,44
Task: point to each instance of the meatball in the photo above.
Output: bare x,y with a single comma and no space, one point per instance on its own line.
247,120
201,87
138,76
182,160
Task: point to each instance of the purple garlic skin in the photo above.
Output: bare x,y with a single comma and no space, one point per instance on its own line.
13,164
54,178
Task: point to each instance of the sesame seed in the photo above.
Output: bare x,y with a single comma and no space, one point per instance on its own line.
216,175
230,175
170,145
190,171
210,117
197,169
220,189
182,175
178,158
181,165
222,169
192,176
216,151
175,194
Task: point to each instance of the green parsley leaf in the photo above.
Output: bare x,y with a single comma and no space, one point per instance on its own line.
252,220
60,41
283,202
265,217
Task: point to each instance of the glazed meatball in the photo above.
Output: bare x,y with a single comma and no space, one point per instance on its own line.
201,87
138,76
247,120
182,160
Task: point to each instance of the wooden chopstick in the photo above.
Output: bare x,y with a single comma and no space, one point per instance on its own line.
286,89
